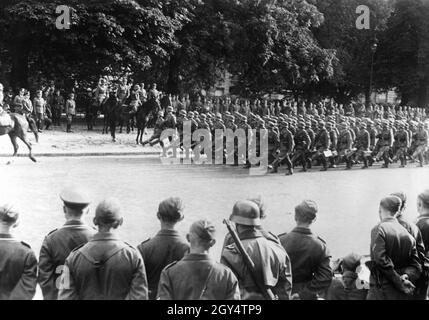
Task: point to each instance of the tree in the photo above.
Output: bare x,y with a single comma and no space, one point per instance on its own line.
403,60
113,36
352,45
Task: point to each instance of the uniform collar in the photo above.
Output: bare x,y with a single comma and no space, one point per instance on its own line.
196,256
302,230
168,233
389,219
74,223
5,236
105,236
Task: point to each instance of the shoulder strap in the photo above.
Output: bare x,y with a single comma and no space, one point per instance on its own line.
206,282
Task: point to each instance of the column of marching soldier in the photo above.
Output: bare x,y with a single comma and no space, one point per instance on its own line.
307,139
79,262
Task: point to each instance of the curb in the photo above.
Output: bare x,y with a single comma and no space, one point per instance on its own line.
84,154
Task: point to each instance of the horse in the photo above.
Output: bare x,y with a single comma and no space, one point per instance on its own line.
146,115
16,126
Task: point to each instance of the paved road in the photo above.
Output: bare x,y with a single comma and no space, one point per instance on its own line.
348,201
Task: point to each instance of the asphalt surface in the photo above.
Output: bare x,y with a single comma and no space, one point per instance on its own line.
348,200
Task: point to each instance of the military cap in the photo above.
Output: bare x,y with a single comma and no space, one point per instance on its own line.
182,112
108,210
227,113
321,123
246,212
351,261
171,209
8,214
306,210
74,198
169,108
204,229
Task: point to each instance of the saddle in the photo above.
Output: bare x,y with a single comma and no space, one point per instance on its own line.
6,120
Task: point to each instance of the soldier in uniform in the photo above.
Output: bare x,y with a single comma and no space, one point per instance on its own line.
18,263
385,143
302,145
421,142
286,146
58,244
345,145
309,255
322,143
157,131
333,136
105,268
401,144
363,145
197,276
423,218
167,246
395,265
272,265
273,143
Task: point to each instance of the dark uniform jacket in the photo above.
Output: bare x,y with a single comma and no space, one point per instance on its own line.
423,225
105,268
401,139
334,139
55,249
322,140
363,140
385,138
18,269
286,141
302,139
166,247
310,260
198,277
345,140
393,253
271,261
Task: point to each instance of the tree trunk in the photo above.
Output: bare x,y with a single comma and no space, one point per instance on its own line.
422,98
19,72
173,74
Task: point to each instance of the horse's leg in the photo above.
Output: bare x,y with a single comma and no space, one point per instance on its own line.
138,134
28,144
15,146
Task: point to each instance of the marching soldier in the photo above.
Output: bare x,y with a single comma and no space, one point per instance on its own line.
60,242
286,146
385,142
401,144
302,145
273,143
309,255
167,246
272,265
197,276
18,263
345,145
105,268
363,145
334,140
322,143
420,139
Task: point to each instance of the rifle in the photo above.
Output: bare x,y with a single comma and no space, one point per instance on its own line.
266,292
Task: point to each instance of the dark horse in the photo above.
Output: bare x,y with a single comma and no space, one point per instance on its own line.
16,126
146,115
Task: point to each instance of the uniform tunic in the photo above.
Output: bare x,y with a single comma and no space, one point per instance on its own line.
198,277
272,265
166,247
393,253
55,249
105,268
18,269
310,260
